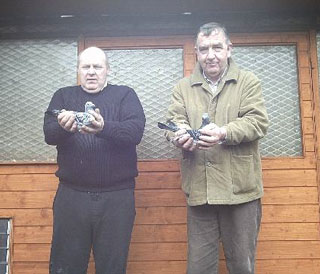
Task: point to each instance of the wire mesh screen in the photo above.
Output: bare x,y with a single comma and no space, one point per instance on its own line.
31,70
152,73
276,66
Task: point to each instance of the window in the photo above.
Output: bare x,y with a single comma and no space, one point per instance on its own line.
152,73
31,71
34,69
5,229
276,67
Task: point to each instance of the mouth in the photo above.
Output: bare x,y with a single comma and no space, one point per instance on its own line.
212,65
92,80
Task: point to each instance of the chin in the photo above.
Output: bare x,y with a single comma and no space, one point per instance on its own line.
91,89
212,73
94,90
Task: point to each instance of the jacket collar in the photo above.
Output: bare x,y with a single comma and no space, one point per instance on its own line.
198,79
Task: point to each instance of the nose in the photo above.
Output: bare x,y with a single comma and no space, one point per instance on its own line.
211,53
91,70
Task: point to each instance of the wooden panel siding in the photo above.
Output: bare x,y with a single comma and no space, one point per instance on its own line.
289,241
290,229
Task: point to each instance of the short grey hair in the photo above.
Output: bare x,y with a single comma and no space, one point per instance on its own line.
208,28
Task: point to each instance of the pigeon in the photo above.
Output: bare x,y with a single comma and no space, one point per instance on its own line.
194,133
85,118
170,126
81,118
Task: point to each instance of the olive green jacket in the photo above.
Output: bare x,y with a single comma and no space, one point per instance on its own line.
229,173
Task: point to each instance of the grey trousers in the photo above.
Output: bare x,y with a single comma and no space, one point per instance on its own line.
237,226
101,221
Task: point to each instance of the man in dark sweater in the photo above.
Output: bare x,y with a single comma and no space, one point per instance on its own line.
97,165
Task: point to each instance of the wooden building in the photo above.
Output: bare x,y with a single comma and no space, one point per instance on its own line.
276,38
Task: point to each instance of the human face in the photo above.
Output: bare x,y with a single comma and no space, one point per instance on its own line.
212,53
92,70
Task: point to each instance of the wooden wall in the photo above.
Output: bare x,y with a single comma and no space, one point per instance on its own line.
289,241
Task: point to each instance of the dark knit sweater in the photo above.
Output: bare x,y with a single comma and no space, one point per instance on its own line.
98,162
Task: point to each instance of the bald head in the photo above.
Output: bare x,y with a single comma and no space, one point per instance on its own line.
94,51
93,68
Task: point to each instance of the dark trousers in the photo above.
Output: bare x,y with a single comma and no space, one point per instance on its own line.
237,226
102,221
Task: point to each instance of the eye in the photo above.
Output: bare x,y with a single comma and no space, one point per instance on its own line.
218,49
203,50
97,67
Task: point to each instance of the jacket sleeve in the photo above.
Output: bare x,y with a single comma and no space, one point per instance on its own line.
177,111
252,121
129,129
53,132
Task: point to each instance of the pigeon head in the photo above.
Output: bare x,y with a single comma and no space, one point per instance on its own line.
89,106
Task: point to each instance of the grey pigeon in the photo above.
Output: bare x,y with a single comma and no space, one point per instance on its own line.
85,118
82,118
194,133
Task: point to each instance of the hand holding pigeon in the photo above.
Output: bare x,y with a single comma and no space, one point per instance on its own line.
89,121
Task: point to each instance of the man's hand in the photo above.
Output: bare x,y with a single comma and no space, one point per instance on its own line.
96,125
183,140
66,120
211,135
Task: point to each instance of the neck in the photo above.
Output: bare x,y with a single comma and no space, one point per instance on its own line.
217,78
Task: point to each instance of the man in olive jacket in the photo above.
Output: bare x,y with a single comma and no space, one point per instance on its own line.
221,172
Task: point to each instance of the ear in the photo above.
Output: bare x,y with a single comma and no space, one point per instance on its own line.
230,48
196,52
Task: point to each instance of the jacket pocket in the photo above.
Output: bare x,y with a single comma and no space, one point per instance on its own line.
242,173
